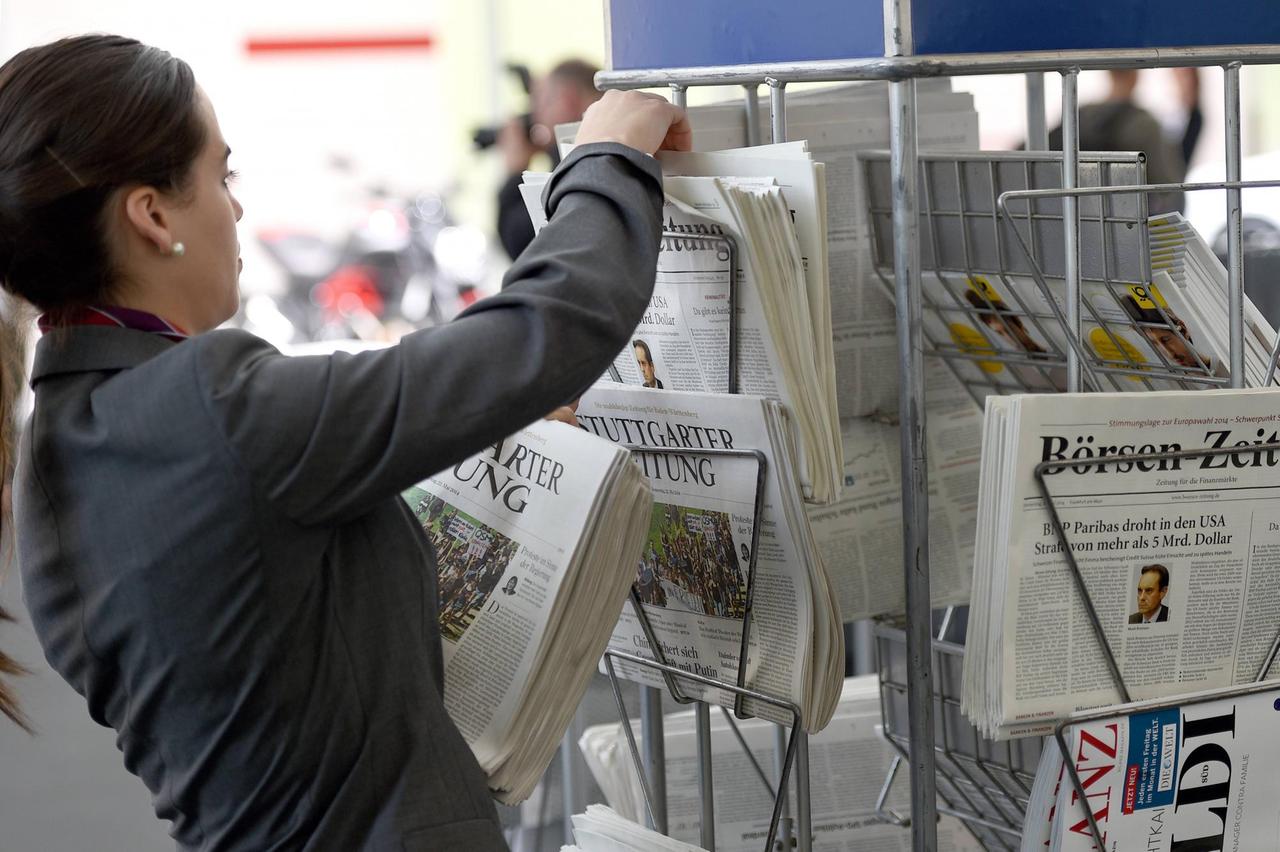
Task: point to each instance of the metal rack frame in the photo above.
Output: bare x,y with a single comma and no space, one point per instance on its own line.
901,69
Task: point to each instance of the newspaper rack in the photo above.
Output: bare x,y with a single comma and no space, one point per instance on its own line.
1095,622
793,752
920,42
972,237
705,780
977,780
793,748
984,784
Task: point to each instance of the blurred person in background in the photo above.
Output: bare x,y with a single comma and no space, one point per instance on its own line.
561,97
213,547
1119,124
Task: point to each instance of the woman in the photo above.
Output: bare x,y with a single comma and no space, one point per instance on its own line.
212,544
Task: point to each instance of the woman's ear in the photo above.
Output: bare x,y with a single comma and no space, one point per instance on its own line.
146,214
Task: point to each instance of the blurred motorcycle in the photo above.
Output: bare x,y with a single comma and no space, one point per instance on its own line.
404,264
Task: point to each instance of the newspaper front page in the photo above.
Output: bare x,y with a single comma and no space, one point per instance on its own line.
504,525
692,575
1192,777
682,342
1181,556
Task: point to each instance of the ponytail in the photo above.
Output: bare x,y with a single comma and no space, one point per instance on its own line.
13,353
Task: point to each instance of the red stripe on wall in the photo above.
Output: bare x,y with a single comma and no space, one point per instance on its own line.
323,44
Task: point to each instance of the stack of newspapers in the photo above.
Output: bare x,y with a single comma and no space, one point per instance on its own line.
1187,776
763,211
1180,555
600,829
1191,324
694,576
536,540
849,761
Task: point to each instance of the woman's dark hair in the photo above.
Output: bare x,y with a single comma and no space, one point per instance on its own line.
79,119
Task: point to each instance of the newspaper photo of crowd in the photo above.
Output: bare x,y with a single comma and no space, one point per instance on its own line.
689,563
471,560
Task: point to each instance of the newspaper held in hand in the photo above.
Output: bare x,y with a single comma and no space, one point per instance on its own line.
535,541
837,123
1181,556
1189,777
692,575
759,212
848,763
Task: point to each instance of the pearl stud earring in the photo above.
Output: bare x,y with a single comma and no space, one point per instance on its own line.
178,250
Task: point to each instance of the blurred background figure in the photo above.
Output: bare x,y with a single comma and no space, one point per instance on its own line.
1119,124
562,96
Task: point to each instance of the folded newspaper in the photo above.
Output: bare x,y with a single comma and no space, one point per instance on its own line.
1181,555
759,213
536,540
860,535
848,763
836,124
600,829
693,578
1187,777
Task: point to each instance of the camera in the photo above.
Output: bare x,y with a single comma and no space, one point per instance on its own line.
486,137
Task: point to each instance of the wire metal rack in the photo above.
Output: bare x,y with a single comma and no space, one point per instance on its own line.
981,783
1057,238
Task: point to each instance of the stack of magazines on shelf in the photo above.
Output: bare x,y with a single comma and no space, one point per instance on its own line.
849,761
1168,777
1153,305
1194,284
535,541
1165,507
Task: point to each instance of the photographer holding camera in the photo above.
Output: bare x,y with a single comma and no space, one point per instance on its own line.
562,96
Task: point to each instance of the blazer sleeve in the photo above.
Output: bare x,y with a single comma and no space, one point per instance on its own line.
326,437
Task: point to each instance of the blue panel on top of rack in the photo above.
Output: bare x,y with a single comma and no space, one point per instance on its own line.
993,26
686,33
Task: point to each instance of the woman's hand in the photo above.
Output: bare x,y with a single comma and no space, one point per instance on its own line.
565,414
642,121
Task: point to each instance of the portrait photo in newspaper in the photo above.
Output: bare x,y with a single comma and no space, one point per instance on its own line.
1152,582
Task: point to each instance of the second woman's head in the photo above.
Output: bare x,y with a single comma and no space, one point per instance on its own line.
114,184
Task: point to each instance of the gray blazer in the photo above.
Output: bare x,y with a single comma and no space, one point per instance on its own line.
215,555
